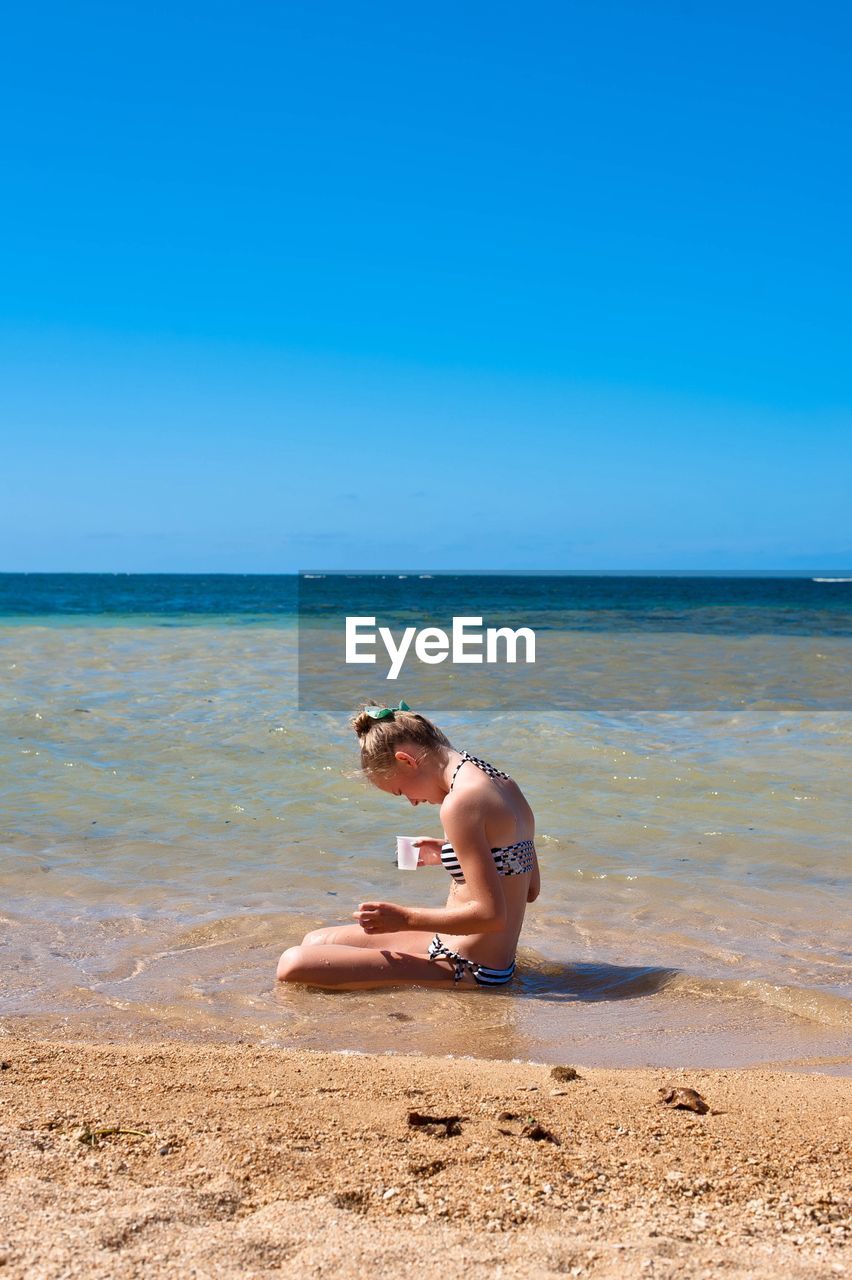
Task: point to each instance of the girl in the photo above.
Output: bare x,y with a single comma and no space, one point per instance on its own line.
489,854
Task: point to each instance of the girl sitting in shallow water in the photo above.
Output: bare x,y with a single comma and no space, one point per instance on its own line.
489,854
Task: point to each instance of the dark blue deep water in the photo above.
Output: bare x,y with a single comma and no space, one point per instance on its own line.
733,605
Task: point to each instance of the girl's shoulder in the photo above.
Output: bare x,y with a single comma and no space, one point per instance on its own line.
474,793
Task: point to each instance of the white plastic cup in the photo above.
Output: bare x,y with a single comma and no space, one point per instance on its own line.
407,854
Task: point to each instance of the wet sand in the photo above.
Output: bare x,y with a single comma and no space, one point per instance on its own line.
176,1160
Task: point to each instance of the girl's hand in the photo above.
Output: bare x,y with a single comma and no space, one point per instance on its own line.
430,851
381,917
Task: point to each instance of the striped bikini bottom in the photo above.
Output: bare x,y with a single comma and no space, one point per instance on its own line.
483,973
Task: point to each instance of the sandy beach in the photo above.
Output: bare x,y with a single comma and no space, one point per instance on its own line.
176,1160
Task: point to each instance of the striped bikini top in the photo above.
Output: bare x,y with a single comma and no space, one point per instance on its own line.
510,859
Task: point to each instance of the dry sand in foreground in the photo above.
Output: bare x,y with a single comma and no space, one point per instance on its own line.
255,1162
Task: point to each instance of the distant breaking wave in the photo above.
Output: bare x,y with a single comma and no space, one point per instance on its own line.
831,579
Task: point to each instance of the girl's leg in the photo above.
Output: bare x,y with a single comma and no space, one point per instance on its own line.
347,968
352,935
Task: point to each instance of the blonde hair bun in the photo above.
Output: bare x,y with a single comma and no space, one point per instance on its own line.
381,736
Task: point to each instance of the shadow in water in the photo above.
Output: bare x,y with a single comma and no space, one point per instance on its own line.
589,982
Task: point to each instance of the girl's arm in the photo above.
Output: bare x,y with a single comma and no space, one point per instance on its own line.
429,851
485,908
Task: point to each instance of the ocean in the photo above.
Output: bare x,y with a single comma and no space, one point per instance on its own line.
180,803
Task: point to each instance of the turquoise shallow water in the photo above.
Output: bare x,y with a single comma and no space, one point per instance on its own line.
171,821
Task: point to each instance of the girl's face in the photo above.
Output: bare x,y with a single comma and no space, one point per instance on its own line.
411,778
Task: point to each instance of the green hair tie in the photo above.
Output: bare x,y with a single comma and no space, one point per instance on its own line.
381,713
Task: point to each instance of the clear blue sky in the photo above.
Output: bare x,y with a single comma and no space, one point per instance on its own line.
547,285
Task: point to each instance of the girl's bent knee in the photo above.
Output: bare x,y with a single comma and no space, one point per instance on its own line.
315,938
289,965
